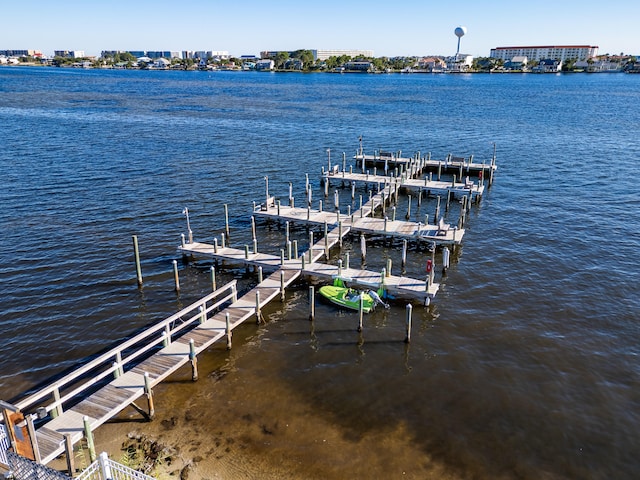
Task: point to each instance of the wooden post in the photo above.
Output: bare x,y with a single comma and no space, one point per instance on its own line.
290,194
58,409
286,232
320,205
408,322
281,256
215,245
253,227
312,303
445,259
71,460
360,312
409,209
404,253
278,207
176,278
295,248
223,243
88,435
203,312
310,247
388,274
346,261
289,250
336,200
213,279
437,215
194,360
361,213
246,252
363,247
226,219
260,274
227,323
136,255
340,233
258,312
32,437
393,213
255,246
282,285
353,190
340,268
439,169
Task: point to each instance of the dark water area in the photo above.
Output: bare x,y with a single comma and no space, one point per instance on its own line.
525,365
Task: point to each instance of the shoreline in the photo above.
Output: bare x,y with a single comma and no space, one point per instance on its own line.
214,428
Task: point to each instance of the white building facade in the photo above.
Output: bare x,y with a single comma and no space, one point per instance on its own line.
554,52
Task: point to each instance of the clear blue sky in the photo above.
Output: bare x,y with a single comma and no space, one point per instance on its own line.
389,28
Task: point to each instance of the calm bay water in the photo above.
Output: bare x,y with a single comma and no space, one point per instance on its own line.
525,366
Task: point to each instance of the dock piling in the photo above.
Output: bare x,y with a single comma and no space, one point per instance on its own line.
88,435
312,303
136,255
149,394
213,279
194,360
407,339
228,330
176,278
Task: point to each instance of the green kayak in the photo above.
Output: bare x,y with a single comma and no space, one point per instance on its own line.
344,296
348,297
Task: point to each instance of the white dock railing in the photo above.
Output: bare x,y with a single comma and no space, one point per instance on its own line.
106,469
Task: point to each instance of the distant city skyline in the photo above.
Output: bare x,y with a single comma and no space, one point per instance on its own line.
406,28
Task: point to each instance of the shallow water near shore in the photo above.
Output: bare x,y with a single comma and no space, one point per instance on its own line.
524,366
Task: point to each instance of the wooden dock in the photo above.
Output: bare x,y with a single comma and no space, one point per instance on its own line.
451,164
442,234
61,414
427,186
73,403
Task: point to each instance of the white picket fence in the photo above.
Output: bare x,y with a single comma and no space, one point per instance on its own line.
106,469
102,469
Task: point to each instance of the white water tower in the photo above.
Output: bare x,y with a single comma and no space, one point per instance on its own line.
460,32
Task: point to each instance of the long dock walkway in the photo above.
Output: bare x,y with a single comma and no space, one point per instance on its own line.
179,348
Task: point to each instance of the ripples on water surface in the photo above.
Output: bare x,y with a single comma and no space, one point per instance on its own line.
525,366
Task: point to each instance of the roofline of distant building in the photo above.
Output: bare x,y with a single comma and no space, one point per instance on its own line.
547,46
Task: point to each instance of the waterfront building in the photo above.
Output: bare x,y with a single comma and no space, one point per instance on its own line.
460,62
69,53
358,66
20,53
554,52
163,54
265,64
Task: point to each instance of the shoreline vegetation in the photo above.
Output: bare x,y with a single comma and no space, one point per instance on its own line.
604,64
